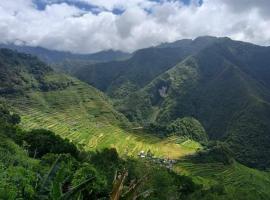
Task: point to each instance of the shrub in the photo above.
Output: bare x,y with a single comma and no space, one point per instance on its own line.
40,142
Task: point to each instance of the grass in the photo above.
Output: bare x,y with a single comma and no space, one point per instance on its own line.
240,182
83,115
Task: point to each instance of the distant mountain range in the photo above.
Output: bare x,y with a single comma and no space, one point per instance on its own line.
222,83
53,56
197,117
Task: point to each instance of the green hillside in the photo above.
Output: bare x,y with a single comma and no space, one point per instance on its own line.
239,181
119,78
80,114
38,164
76,111
227,93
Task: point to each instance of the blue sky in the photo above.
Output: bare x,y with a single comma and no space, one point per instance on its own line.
87,26
41,5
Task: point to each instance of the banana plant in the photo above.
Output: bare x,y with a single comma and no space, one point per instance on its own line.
56,191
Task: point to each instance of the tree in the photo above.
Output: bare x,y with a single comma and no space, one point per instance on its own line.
15,119
41,142
189,127
96,188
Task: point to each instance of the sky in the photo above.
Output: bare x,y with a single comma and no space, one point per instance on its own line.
87,26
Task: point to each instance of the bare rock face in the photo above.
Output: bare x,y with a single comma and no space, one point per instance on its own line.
163,91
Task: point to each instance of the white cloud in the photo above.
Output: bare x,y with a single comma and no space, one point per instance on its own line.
120,4
144,23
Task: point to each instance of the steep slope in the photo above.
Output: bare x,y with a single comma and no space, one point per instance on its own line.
240,182
227,93
23,176
119,78
74,109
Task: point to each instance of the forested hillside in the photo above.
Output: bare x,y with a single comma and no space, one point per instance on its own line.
119,78
73,109
38,164
220,82
225,87
62,138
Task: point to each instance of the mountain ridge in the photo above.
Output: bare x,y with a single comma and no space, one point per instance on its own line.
213,88
55,56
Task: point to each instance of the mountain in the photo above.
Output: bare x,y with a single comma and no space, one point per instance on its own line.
37,164
226,87
116,78
25,175
53,56
73,109
220,82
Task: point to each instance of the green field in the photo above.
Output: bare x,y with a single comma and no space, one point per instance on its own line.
240,182
83,115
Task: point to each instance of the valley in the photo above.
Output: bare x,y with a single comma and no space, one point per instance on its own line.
134,100
83,116
171,116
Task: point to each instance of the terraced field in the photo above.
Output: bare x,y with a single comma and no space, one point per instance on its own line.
240,182
84,115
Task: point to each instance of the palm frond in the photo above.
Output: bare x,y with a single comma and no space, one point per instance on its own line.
46,180
76,189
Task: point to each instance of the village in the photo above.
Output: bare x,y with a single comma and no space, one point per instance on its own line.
165,162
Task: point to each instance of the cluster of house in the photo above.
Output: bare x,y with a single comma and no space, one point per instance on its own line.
166,162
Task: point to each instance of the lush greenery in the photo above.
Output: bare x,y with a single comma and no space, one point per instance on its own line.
39,142
68,141
92,174
186,127
140,69
84,115
224,84
228,98
58,173
23,72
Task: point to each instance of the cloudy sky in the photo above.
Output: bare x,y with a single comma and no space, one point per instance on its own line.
86,26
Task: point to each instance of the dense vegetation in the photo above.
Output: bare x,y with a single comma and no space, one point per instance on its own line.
68,142
186,127
84,115
57,170
20,73
61,174
224,84
227,94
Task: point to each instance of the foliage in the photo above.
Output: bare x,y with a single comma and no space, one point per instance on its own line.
8,118
215,152
186,127
189,127
224,86
17,182
56,170
97,187
40,142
